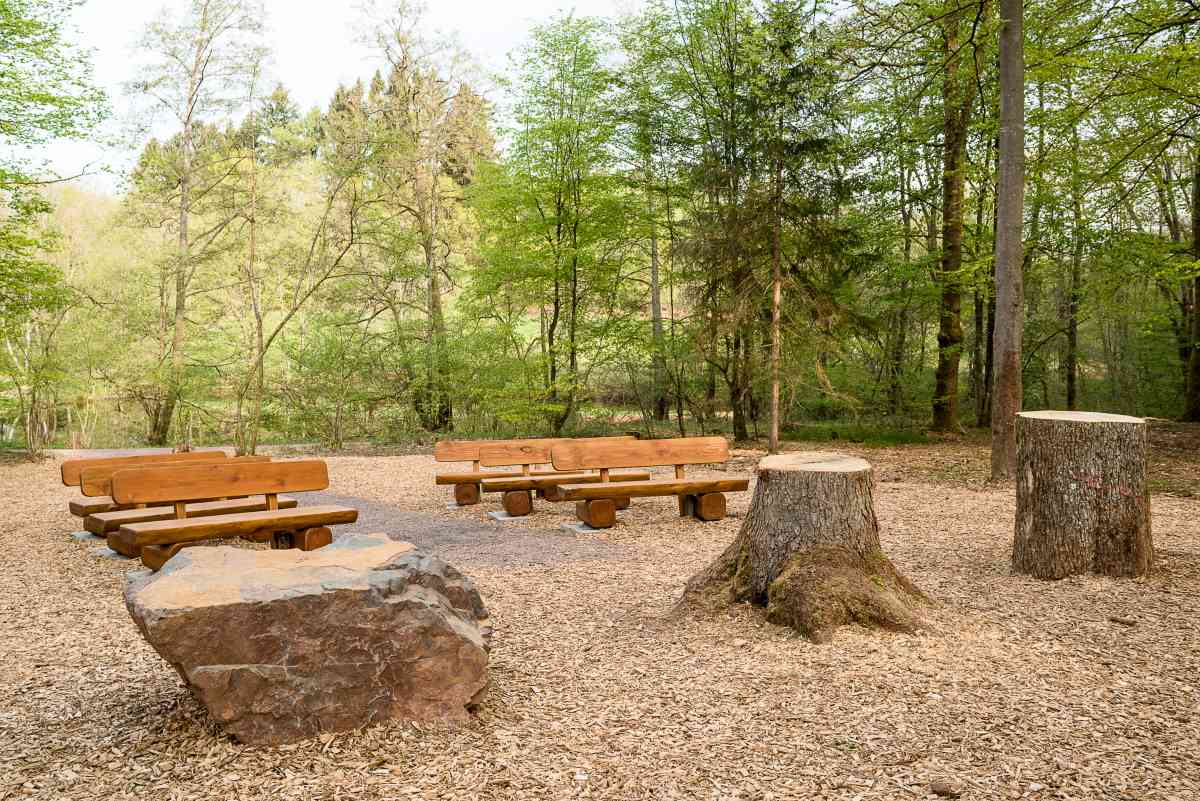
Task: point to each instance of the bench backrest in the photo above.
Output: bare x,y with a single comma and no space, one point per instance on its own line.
527,452
97,481
215,480
583,454
72,468
467,450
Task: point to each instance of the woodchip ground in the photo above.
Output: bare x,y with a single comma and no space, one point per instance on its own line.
1087,688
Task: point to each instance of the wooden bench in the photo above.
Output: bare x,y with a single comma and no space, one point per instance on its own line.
467,484
701,498
518,490
97,481
72,474
306,528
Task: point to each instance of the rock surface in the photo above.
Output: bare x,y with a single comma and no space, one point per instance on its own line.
283,645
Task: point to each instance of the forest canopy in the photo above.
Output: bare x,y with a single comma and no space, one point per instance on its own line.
594,239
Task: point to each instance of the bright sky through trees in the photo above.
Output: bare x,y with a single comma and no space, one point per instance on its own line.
314,50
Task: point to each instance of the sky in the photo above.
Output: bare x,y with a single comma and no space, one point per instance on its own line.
314,49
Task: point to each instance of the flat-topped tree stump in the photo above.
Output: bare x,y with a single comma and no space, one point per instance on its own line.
1082,502
809,552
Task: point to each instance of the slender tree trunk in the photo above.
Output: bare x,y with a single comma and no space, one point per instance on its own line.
661,399
958,93
1192,401
1010,213
776,309
1072,356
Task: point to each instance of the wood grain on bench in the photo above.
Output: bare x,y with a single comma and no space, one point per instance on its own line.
72,468
215,480
102,523
535,482
157,541
581,454
596,503
96,481
654,487
167,532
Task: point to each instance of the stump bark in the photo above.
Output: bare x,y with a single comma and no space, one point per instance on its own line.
1082,501
808,550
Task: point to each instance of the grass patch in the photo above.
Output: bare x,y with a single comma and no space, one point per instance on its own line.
871,436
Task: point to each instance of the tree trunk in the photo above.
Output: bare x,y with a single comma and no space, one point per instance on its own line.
1082,501
661,400
776,308
1010,217
808,550
958,95
1192,401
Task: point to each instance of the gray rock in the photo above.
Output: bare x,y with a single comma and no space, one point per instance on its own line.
282,645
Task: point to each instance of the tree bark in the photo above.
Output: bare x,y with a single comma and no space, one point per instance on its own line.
958,96
1082,501
808,550
1192,402
776,307
1010,217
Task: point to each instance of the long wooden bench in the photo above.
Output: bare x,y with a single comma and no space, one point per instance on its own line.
97,481
72,474
701,498
467,484
517,498
306,528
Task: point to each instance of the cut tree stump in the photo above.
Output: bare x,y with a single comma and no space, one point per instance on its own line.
1082,501
808,550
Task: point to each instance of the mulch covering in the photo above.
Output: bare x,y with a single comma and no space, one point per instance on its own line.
1087,688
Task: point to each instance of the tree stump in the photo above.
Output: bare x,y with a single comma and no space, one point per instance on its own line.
808,550
1082,502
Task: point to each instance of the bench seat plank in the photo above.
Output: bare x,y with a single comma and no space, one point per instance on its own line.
169,532
545,482
82,507
475,478
654,487
102,523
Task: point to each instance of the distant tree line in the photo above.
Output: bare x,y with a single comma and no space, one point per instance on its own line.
709,215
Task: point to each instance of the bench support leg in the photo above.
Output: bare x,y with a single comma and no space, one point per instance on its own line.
710,506
313,538
518,503
622,503
466,494
600,513
123,545
309,539
687,505
155,556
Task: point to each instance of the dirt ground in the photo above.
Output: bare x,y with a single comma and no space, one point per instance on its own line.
1087,688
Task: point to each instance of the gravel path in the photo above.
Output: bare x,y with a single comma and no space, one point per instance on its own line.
466,543
1081,689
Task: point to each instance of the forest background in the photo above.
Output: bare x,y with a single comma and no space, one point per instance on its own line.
657,222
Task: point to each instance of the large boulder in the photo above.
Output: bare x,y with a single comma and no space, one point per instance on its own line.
281,645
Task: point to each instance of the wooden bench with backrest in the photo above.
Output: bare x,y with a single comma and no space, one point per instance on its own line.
72,473
98,481
467,484
702,498
518,490
306,528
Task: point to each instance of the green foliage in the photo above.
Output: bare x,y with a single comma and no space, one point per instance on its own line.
379,269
